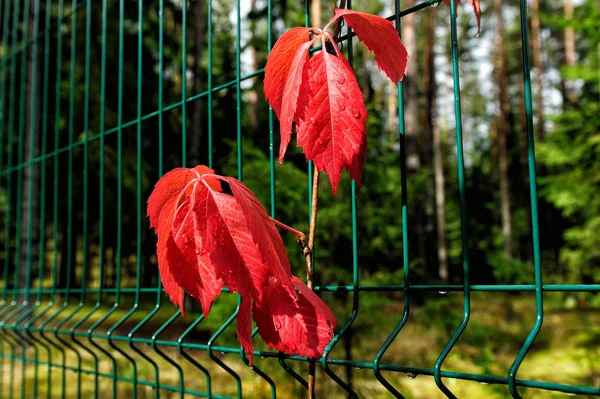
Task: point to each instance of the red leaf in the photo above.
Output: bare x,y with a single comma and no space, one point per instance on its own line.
172,183
291,94
477,10
207,238
235,255
278,65
173,290
301,327
332,118
244,327
379,36
263,231
314,299
192,269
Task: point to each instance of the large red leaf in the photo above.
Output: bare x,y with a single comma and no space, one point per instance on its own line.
235,255
192,269
379,36
291,94
263,231
207,239
172,183
332,118
302,327
173,290
244,327
279,62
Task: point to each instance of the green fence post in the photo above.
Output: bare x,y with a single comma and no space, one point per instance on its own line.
118,323
101,170
539,295
404,210
85,251
463,210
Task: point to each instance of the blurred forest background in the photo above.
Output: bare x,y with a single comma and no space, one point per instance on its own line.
87,205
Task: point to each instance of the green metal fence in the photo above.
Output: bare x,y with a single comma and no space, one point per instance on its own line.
55,337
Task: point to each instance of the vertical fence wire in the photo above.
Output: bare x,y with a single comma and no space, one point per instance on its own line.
437,370
404,220
539,304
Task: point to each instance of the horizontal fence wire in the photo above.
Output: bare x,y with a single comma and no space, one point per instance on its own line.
63,332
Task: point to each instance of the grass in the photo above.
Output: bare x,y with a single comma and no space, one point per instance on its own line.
566,351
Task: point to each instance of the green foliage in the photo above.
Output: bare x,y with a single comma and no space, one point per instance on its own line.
572,155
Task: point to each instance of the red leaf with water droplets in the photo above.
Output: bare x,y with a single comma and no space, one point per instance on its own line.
192,269
279,63
332,118
291,93
379,36
476,5
235,255
173,290
208,238
172,183
263,232
303,326
244,327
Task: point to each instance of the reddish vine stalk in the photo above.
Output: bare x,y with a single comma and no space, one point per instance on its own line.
308,253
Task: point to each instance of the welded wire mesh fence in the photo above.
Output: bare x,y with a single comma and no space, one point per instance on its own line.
75,172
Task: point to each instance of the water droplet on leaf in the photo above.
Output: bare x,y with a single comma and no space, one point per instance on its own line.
442,292
411,376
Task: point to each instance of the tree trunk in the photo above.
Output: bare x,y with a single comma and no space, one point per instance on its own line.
440,205
432,145
29,200
412,129
537,63
502,132
570,49
429,86
199,26
524,247
254,103
411,115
